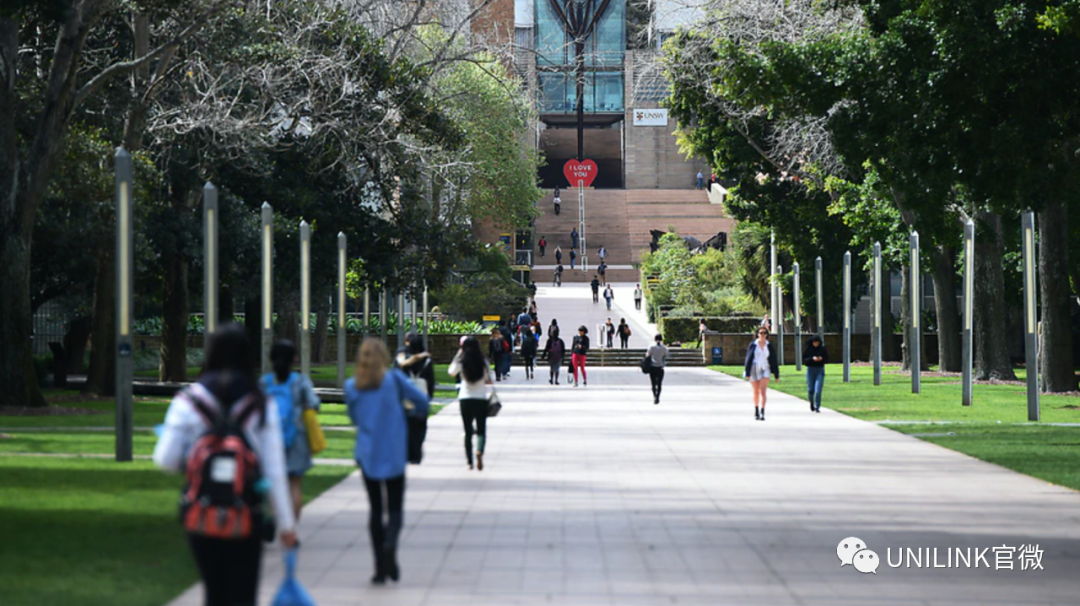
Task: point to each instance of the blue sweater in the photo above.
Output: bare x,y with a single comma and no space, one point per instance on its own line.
382,436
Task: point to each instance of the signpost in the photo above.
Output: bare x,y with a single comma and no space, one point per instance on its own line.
125,301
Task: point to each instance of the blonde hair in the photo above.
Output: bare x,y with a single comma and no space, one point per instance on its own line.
372,360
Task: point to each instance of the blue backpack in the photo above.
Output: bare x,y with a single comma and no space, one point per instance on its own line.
283,393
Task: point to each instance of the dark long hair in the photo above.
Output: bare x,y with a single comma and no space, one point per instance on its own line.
227,370
473,364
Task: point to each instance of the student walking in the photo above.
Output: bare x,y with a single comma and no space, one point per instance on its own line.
602,253
637,297
470,365
574,238
602,270
578,353
760,361
558,254
226,399
657,355
702,328
557,281
573,257
379,400
558,204
294,393
524,319
543,245
700,180
498,350
609,295
554,350
815,357
528,350
624,333
553,329
609,332
595,284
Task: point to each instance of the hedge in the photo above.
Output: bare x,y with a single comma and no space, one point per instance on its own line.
686,329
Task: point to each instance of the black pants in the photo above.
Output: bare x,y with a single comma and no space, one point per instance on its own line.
624,340
595,296
384,532
542,251
657,377
474,409
555,365
530,363
637,303
229,569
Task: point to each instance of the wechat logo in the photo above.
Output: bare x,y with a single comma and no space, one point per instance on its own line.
854,551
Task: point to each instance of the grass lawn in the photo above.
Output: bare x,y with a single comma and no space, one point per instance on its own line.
84,532
994,428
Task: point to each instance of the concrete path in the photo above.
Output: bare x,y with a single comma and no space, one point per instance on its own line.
572,306
593,495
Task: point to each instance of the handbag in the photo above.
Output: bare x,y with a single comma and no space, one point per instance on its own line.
291,592
315,436
417,426
494,405
646,364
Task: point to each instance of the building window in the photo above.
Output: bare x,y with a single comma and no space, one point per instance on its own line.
603,93
523,37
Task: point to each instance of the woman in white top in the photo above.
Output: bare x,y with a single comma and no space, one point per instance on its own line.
230,566
470,364
760,361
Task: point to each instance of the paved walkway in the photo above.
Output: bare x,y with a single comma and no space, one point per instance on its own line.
596,496
572,306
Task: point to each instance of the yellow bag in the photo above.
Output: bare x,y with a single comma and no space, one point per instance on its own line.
315,436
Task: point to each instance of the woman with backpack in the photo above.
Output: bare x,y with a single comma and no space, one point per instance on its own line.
624,333
528,351
379,401
415,362
499,348
226,401
472,397
555,349
294,394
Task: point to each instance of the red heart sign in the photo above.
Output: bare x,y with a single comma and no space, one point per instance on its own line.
583,170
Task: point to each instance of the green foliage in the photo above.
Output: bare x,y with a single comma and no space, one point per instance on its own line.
486,287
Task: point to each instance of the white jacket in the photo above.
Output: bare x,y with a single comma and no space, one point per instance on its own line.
184,425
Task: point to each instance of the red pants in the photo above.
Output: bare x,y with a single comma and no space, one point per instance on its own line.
576,361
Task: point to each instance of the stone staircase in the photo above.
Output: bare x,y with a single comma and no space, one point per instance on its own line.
621,221
632,357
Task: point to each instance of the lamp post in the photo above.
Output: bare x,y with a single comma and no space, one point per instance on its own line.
367,310
401,320
427,319
916,312
1031,330
267,285
820,301
847,317
342,262
305,298
969,287
772,277
877,312
383,311
210,259
798,322
125,302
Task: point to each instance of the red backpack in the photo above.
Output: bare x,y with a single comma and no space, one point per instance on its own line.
220,499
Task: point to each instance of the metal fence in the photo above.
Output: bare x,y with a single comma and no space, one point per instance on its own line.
49,326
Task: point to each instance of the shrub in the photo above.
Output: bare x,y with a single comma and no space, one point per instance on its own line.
686,329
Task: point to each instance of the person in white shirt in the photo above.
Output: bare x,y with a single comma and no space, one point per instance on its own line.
469,364
230,567
760,361
637,297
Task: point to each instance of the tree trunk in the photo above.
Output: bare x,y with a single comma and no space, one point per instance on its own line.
948,313
174,324
321,335
18,381
1056,355
991,347
75,339
289,327
101,376
226,305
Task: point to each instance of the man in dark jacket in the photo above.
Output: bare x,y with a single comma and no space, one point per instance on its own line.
595,289
815,357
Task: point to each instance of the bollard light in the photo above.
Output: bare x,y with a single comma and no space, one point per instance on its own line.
1031,333
342,261
820,301
125,302
367,310
772,277
305,298
210,259
267,285
969,288
798,321
847,317
916,312
877,312
427,318
779,319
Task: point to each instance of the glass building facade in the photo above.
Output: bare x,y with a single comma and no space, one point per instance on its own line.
605,50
